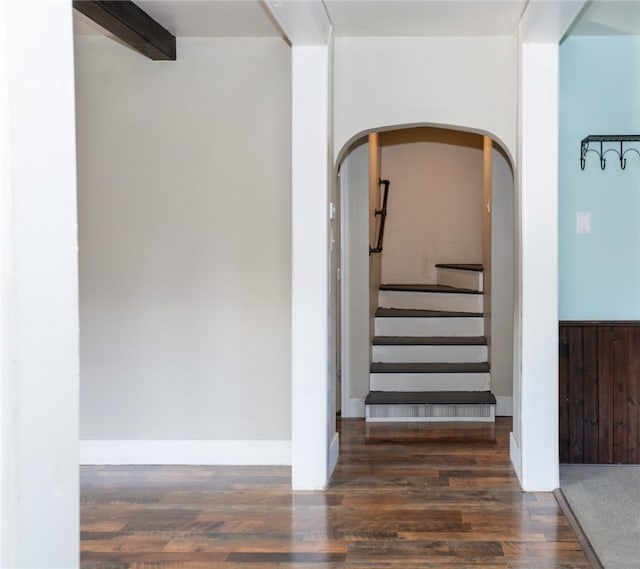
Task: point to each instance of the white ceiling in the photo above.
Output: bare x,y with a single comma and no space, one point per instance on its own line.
609,17
250,18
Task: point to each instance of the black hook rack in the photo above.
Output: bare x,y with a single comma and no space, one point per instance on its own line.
613,140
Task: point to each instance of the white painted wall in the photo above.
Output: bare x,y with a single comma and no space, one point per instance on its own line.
502,246
311,417
333,441
465,82
534,442
354,200
435,202
8,435
39,343
185,244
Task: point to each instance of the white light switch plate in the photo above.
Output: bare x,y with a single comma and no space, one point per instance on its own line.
583,222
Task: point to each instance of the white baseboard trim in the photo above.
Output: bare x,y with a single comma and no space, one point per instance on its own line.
516,456
183,452
355,408
334,453
504,406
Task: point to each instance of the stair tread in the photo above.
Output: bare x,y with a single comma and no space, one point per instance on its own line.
430,341
428,288
415,313
429,367
461,266
430,398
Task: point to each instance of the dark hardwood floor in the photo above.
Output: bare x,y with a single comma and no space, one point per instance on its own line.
402,496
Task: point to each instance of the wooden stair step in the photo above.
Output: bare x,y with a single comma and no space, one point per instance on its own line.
429,367
430,341
412,313
430,398
461,266
427,288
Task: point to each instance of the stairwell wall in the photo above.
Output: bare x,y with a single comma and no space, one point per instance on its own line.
435,202
185,252
356,310
502,305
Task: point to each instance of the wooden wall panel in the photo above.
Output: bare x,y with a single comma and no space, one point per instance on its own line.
599,392
633,398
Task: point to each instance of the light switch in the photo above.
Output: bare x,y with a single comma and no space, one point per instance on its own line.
583,222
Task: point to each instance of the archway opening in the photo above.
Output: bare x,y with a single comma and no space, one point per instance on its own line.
442,209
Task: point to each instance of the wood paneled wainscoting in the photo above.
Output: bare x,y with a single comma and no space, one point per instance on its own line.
600,392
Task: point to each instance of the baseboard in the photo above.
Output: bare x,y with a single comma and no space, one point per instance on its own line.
190,452
355,408
334,453
504,406
516,456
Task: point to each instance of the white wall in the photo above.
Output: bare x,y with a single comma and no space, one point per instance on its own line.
435,202
39,474
185,237
314,440
465,82
534,442
502,239
354,198
8,502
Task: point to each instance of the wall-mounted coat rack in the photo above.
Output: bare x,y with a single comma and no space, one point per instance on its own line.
608,143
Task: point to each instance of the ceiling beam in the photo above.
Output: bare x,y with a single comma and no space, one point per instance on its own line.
131,24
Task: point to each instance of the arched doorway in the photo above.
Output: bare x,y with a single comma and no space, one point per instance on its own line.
439,211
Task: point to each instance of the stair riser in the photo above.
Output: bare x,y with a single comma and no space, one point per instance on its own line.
465,326
430,301
430,413
452,354
429,381
471,280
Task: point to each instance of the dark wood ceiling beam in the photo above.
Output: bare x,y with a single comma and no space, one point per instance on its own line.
131,24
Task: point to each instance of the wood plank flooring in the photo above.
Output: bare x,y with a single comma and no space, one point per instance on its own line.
403,496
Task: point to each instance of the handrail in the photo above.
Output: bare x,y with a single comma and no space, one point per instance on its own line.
383,217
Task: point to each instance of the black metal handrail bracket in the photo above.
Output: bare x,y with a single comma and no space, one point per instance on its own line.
613,140
382,212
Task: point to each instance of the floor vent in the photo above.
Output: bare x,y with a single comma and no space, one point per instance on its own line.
422,412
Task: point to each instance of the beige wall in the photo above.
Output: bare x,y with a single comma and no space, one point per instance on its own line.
185,239
435,202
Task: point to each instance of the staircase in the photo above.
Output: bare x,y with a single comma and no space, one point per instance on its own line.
429,353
